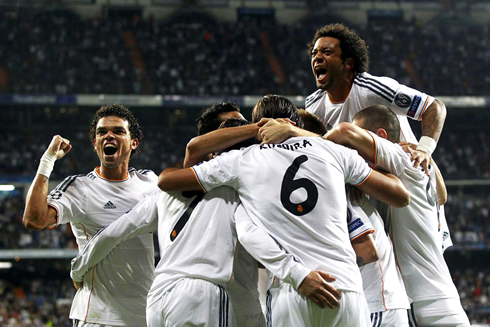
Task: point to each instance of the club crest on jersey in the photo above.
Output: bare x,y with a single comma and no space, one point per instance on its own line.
109,205
402,100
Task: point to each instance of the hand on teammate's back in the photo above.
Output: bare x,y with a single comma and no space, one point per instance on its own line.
418,157
316,287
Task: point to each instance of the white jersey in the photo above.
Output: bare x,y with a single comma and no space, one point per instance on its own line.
383,284
295,191
201,247
414,229
243,288
368,90
115,292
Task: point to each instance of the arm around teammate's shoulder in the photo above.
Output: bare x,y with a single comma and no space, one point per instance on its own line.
175,179
386,187
199,148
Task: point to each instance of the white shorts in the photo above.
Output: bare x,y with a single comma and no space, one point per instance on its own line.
390,318
288,308
192,302
440,313
79,323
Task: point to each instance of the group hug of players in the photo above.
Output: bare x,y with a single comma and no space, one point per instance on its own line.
348,223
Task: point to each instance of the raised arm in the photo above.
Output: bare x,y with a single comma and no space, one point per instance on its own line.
37,214
201,146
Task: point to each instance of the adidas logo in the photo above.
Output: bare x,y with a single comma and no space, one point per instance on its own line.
109,205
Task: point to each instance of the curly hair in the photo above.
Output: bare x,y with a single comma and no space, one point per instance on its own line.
276,106
123,113
351,44
209,119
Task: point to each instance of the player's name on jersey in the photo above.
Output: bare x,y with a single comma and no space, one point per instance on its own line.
292,147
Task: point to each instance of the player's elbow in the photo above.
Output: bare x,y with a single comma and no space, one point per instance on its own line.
165,180
32,222
191,153
402,199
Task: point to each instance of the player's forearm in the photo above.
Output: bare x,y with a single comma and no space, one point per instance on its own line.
201,146
386,187
36,211
104,242
174,179
433,120
265,250
354,137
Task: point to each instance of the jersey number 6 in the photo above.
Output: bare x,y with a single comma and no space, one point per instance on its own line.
289,185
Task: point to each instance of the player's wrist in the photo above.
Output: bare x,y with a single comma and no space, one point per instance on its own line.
427,144
297,275
46,164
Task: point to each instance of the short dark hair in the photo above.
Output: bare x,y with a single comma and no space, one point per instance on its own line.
379,116
312,122
351,44
122,112
235,122
209,119
276,106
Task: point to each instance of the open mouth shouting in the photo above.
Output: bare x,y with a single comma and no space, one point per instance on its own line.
110,149
320,73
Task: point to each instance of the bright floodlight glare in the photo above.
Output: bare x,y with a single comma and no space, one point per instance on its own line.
5,265
7,188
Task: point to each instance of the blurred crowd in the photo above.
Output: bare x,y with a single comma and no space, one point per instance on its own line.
57,52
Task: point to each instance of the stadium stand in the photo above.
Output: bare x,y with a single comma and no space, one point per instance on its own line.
59,52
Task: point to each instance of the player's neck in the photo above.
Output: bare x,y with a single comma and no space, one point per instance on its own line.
116,174
339,92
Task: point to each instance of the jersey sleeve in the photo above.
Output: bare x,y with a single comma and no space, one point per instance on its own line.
142,219
222,170
69,200
267,251
403,100
390,156
358,222
356,170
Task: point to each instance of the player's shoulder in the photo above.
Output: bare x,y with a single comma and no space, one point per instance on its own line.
143,174
73,180
378,86
314,97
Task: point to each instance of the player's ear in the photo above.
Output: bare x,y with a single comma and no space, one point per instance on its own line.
382,133
134,144
349,63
